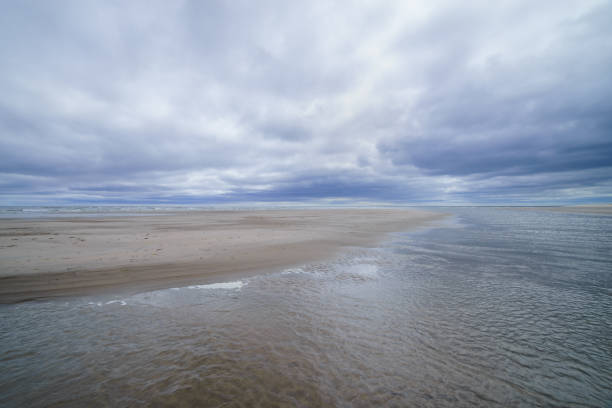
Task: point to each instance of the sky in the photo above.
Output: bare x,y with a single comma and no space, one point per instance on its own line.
311,102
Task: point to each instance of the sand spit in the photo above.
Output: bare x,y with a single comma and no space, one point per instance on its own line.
71,256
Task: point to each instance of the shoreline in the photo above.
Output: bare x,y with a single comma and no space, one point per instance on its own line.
579,209
57,257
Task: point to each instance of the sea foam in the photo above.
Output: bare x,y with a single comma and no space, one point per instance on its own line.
222,285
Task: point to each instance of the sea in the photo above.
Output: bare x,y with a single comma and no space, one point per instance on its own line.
490,307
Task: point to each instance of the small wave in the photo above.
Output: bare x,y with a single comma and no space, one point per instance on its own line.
121,302
291,271
110,302
222,285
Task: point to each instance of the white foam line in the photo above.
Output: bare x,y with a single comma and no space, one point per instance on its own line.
110,302
121,302
222,285
292,271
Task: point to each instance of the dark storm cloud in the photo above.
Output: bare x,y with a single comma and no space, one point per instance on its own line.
535,131
313,188
545,113
218,102
507,149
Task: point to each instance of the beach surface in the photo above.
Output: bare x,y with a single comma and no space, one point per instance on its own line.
54,257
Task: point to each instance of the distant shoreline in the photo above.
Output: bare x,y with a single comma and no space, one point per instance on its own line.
588,209
55,257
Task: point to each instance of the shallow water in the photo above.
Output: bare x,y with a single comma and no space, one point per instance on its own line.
494,307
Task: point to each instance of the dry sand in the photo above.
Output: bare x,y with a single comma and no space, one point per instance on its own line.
60,257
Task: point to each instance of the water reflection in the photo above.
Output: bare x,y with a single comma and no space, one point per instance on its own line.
501,309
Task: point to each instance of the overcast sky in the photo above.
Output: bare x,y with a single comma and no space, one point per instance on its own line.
411,102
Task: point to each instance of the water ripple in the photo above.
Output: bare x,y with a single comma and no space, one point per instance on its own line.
506,309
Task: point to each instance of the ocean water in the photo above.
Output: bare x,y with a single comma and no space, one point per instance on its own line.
95,210
78,211
491,307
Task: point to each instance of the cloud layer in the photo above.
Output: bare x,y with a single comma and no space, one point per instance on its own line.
326,102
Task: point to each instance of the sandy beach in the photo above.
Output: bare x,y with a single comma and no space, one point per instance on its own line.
54,257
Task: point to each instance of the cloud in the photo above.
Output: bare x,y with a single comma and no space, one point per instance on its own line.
421,102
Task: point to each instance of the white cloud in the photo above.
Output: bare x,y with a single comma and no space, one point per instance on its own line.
389,101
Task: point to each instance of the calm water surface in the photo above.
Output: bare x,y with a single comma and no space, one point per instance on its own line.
494,307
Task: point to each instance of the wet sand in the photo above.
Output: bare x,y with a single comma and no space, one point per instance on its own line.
46,258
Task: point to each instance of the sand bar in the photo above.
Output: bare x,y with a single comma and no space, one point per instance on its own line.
45,258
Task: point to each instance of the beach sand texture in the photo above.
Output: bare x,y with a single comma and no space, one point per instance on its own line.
45,258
